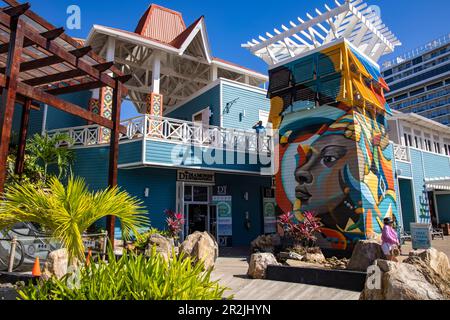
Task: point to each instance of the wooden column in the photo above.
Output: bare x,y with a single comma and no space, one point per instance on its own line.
9,93
114,151
20,159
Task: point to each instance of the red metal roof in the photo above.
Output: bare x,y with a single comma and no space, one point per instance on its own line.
167,26
181,38
161,24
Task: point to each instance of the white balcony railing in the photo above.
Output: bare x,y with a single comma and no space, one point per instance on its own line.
175,131
401,153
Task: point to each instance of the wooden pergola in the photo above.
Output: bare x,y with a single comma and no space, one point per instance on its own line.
39,62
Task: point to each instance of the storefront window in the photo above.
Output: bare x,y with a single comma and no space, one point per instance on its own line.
188,193
200,194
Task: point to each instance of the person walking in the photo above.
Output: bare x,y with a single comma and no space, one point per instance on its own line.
389,240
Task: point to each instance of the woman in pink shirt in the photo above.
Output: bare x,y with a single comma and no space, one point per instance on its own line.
389,240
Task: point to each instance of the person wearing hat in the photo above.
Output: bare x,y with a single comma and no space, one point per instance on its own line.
389,240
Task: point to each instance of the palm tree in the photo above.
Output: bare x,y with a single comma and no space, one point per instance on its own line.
50,150
67,212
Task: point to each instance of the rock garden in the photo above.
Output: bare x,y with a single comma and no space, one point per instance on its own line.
423,275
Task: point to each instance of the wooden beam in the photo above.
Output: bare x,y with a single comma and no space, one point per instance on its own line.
47,25
18,10
57,50
20,158
114,152
54,77
81,52
48,35
73,109
51,60
8,101
104,66
76,88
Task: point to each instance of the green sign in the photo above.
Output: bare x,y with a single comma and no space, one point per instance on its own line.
270,218
224,215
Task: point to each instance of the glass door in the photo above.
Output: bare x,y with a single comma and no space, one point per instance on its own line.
199,214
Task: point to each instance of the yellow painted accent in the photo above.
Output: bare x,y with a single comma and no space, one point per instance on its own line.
371,180
276,108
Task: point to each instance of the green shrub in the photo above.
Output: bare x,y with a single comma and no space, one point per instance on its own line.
131,277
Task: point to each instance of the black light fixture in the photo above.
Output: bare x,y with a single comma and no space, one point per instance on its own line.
229,105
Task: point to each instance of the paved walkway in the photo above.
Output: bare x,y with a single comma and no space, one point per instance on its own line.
438,244
231,273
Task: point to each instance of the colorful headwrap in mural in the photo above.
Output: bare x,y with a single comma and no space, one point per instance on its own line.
335,158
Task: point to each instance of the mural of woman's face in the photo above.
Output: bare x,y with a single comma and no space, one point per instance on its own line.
319,179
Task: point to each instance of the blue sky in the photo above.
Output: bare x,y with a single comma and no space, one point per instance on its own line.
232,22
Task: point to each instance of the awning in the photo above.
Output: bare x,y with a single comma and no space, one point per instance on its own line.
442,183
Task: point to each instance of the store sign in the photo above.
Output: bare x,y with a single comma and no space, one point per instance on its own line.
196,176
421,236
269,211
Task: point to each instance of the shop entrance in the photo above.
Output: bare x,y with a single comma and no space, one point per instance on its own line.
201,218
199,214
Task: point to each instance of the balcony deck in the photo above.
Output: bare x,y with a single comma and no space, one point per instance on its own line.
160,141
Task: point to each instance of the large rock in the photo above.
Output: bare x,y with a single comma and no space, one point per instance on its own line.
56,264
162,245
434,259
315,257
266,243
259,263
423,276
402,281
366,252
201,246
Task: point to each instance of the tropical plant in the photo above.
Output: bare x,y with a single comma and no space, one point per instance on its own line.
33,172
175,223
52,150
132,277
303,231
67,212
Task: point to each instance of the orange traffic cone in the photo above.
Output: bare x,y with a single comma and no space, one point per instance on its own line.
36,272
88,258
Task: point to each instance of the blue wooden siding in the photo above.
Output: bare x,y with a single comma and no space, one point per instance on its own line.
59,119
252,185
35,125
405,169
210,98
130,153
162,186
436,166
170,154
443,206
36,119
248,101
407,203
92,163
420,196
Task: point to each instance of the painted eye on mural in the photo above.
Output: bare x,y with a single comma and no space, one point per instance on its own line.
328,161
331,155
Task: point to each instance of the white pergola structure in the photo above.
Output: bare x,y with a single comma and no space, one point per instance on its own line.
166,58
352,20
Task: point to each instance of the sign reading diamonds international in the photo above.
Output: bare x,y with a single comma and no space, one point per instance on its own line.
196,176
